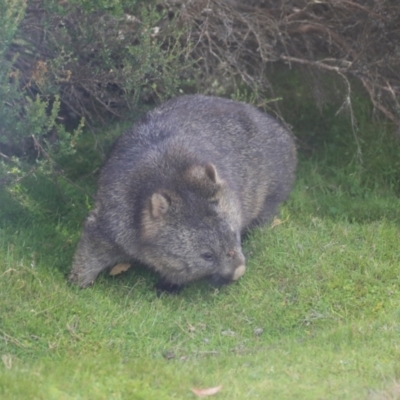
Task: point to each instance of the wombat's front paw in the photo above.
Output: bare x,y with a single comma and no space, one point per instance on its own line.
72,278
75,279
164,286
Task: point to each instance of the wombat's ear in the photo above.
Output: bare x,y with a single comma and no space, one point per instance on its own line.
211,172
204,179
203,173
159,204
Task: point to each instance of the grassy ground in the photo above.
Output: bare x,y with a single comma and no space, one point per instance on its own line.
315,317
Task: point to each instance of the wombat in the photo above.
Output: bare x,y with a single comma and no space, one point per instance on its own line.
180,188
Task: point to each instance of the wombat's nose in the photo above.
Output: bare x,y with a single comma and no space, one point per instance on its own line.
232,268
239,260
239,271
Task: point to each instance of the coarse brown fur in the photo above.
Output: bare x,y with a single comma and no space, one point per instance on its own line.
180,188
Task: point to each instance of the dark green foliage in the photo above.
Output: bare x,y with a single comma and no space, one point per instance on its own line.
64,63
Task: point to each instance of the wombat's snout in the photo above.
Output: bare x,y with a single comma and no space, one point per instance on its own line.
232,272
218,280
239,271
237,259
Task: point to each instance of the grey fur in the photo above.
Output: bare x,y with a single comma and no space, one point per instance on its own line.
180,188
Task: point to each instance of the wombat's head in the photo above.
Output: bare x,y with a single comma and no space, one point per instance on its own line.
187,233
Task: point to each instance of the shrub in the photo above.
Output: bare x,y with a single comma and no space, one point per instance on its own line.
69,62
244,41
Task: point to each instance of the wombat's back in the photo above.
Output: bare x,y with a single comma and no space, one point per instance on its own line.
250,149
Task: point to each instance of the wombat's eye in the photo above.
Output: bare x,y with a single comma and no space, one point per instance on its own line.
208,257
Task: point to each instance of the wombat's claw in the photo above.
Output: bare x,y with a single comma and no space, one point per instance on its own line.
167,287
73,279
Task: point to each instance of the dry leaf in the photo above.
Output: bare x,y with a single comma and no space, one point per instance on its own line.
228,332
119,268
277,222
7,360
206,392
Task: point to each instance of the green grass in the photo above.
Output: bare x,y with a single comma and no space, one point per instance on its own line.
323,286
